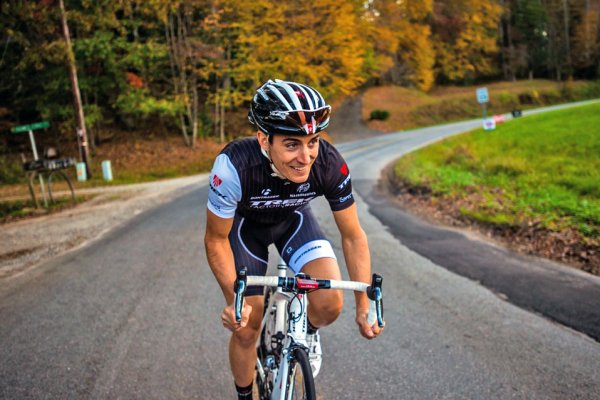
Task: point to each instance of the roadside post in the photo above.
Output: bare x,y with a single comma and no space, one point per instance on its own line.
483,97
107,171
30,128
48,165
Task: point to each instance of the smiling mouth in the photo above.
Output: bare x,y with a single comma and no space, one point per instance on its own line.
299,169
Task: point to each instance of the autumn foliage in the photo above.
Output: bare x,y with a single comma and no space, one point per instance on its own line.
192,63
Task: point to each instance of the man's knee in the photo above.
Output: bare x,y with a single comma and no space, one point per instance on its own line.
327,308
247,336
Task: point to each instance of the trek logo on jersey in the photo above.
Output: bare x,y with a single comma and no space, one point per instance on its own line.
216,180
344,182
261,204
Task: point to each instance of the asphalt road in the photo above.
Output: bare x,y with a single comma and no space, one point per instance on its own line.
135,315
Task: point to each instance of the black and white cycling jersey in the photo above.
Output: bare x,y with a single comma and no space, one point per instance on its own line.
241,181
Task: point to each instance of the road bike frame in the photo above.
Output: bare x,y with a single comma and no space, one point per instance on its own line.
284,324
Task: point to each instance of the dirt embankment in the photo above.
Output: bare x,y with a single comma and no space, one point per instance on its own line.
566,246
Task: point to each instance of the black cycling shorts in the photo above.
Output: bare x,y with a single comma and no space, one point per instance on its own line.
298,239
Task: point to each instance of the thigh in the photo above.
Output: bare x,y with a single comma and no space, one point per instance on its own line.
302,241
324,268
248,250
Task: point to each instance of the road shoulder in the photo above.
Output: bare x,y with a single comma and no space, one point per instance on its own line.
27,243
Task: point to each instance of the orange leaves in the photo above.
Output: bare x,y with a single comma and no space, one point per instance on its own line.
134,80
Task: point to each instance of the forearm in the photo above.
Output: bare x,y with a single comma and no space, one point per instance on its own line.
358,262
221,262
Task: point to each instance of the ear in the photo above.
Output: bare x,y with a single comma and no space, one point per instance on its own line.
263,140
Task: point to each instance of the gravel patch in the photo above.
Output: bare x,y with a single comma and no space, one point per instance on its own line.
27,243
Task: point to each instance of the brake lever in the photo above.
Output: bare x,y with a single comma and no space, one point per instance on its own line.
375,295
239,288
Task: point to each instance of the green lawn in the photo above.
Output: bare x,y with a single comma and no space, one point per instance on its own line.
541,169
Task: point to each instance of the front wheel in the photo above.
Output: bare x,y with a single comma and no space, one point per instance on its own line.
300,382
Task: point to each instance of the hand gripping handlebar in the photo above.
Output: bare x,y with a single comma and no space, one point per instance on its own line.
375,295
239,287
306,283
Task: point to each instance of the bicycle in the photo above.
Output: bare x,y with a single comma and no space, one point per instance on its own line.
283,370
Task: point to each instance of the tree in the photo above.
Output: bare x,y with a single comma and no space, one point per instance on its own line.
406,34
465,37
586,41
81,128
530,37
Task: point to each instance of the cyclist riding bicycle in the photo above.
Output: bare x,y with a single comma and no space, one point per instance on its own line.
260,189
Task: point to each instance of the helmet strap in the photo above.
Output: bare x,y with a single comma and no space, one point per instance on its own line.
275,172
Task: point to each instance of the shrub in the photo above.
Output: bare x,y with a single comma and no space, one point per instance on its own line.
381,115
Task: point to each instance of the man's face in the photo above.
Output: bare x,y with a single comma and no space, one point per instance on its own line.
293,156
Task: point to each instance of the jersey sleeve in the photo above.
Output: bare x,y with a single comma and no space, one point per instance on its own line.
225,190
339,183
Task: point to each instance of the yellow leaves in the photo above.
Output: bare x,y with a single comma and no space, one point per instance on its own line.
468,47
317,42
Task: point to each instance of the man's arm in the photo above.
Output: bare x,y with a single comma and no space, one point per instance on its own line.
358,262
221,261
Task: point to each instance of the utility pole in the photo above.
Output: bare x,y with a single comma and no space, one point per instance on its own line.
81,131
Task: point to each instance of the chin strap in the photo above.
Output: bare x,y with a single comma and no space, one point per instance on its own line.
275,172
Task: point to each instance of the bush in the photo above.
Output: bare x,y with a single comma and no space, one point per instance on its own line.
381,115
590,90
11,170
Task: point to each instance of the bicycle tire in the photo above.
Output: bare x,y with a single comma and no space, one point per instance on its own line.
300,381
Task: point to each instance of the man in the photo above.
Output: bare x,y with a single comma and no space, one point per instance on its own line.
260,189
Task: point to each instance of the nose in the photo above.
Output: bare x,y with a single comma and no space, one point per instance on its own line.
304,155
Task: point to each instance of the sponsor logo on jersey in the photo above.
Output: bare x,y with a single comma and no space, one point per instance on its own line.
344,169
345,198
344,182
216,181
266,192
260,204
302,194
215,191
303,188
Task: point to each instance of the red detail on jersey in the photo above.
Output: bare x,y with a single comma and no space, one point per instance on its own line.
217,181
344,169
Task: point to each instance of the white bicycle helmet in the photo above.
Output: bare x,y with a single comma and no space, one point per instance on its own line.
288,108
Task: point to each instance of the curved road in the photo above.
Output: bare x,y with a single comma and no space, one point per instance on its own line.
135,315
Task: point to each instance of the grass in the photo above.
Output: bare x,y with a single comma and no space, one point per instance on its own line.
410,108
542,169
19,209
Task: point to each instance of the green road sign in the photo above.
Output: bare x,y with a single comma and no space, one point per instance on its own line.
30,127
